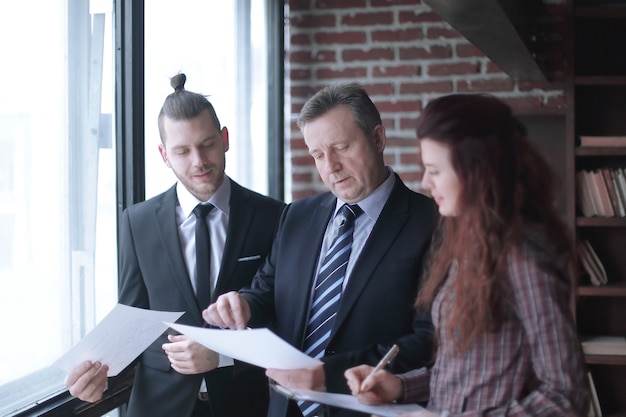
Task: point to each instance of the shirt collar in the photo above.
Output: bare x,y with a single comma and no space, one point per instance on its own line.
373,204
221,198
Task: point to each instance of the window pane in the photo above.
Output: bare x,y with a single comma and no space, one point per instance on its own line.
58,263
220,46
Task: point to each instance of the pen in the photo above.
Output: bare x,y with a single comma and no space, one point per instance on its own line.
386,359
383,362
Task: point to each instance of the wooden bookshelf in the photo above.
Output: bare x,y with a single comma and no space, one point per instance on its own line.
596,98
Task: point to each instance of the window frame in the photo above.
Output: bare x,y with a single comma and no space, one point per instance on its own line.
130,162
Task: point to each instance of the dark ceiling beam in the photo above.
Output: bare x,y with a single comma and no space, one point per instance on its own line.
499,28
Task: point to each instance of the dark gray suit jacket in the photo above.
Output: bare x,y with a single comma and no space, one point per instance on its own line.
154,276
376,308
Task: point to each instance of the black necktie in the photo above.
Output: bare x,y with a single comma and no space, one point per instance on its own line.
327,294
203,256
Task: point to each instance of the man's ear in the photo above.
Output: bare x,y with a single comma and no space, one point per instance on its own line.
224,135
163,152
380,138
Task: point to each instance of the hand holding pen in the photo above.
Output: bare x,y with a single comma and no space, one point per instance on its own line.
393,351
373,385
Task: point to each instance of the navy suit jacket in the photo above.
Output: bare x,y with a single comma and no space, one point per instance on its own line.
154,276
376,308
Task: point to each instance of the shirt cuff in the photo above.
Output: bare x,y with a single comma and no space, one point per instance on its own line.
415,385
225,361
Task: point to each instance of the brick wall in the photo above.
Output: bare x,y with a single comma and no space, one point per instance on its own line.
404,55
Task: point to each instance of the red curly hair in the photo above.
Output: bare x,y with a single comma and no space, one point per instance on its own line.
506,186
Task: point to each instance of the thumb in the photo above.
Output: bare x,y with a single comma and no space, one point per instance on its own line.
176,337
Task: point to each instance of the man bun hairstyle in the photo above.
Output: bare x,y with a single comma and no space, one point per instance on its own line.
183,104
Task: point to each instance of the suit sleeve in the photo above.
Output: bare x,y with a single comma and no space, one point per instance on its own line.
260,293
132,290
416,351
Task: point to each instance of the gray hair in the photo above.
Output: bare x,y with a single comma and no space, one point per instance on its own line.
352,95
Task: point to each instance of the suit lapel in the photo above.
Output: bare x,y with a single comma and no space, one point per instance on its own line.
390,223
309,250
168,233
240,215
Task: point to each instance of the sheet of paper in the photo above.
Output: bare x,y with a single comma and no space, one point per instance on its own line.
259,347
118,339
347,401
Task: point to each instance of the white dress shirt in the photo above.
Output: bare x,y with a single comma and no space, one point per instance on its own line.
217,221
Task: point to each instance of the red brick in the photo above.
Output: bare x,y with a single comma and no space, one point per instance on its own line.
343,4
523,104
302,178
296,5
433,52
537,85
396,71
467,50
418,17
373,54
411,176
398,106
453,69
492,68
308,57
390,159
300,39
401,143
314,21
391,3
408,123
557,102
325,38
410,158
388,123
426,87
397,35
367,19
302,161
298,144
329,73
442,33
484,85
293,127
299,73
296,107
379,89
302,91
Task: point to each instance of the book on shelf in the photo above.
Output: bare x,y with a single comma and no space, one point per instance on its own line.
589,141
619,196
607,207
592,193
594,404
601,193
620,179
592,264
604,345
584,196
618,210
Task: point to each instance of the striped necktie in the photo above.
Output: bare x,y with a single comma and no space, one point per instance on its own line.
327,294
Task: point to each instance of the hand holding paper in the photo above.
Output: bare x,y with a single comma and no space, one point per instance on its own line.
351,403
118,339
258,347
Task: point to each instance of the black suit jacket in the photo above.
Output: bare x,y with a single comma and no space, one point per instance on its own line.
154,276
376,308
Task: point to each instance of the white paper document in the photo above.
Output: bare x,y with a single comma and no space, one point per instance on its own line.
258,347
347,401
118,339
